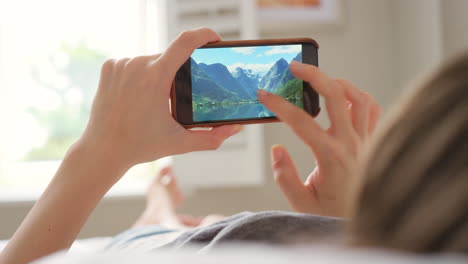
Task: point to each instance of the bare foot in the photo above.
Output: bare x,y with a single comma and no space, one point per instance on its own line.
211,219
162,199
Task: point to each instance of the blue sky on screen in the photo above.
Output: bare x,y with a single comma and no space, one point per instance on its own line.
258,59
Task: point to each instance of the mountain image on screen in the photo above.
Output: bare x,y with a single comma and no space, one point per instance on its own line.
221,94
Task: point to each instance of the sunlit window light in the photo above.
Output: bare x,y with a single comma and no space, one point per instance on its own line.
51,52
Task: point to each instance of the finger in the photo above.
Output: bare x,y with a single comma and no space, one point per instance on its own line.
154,56
374,115
360,107
107,71
142,60
288,180
119,67
297,119
209,139
335,100
183,46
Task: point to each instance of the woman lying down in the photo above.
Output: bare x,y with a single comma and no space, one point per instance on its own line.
402,187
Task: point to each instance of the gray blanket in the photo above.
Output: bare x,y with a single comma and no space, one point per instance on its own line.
265,227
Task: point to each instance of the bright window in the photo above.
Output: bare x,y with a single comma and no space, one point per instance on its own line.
51,52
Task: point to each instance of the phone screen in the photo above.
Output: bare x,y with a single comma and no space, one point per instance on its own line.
225,80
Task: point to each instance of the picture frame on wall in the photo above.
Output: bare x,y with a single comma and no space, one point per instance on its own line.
289,14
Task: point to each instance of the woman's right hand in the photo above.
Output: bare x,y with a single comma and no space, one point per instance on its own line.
337,150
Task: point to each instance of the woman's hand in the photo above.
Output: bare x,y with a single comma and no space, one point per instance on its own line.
130,123
130,117
353,115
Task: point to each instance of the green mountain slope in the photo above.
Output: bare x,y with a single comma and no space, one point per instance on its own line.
292,89
271,79
287,75
204,89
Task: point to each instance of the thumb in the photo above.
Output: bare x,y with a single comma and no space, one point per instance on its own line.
209,139
288,180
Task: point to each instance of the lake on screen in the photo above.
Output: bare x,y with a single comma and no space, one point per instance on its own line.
209,112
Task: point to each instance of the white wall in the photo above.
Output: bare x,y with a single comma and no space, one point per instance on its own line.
417,37
454,26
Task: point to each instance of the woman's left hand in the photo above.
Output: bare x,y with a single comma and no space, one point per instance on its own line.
130,117
130,123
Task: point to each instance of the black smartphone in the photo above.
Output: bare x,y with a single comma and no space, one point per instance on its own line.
218,84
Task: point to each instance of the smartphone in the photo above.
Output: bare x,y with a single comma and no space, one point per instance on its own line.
218,84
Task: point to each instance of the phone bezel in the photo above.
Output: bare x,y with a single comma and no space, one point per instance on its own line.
181,95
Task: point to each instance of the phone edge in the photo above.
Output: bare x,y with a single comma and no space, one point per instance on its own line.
173,101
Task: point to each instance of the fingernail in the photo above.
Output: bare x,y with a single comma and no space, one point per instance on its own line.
296,64
262,93
276,153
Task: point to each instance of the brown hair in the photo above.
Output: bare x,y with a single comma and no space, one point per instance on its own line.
414,194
